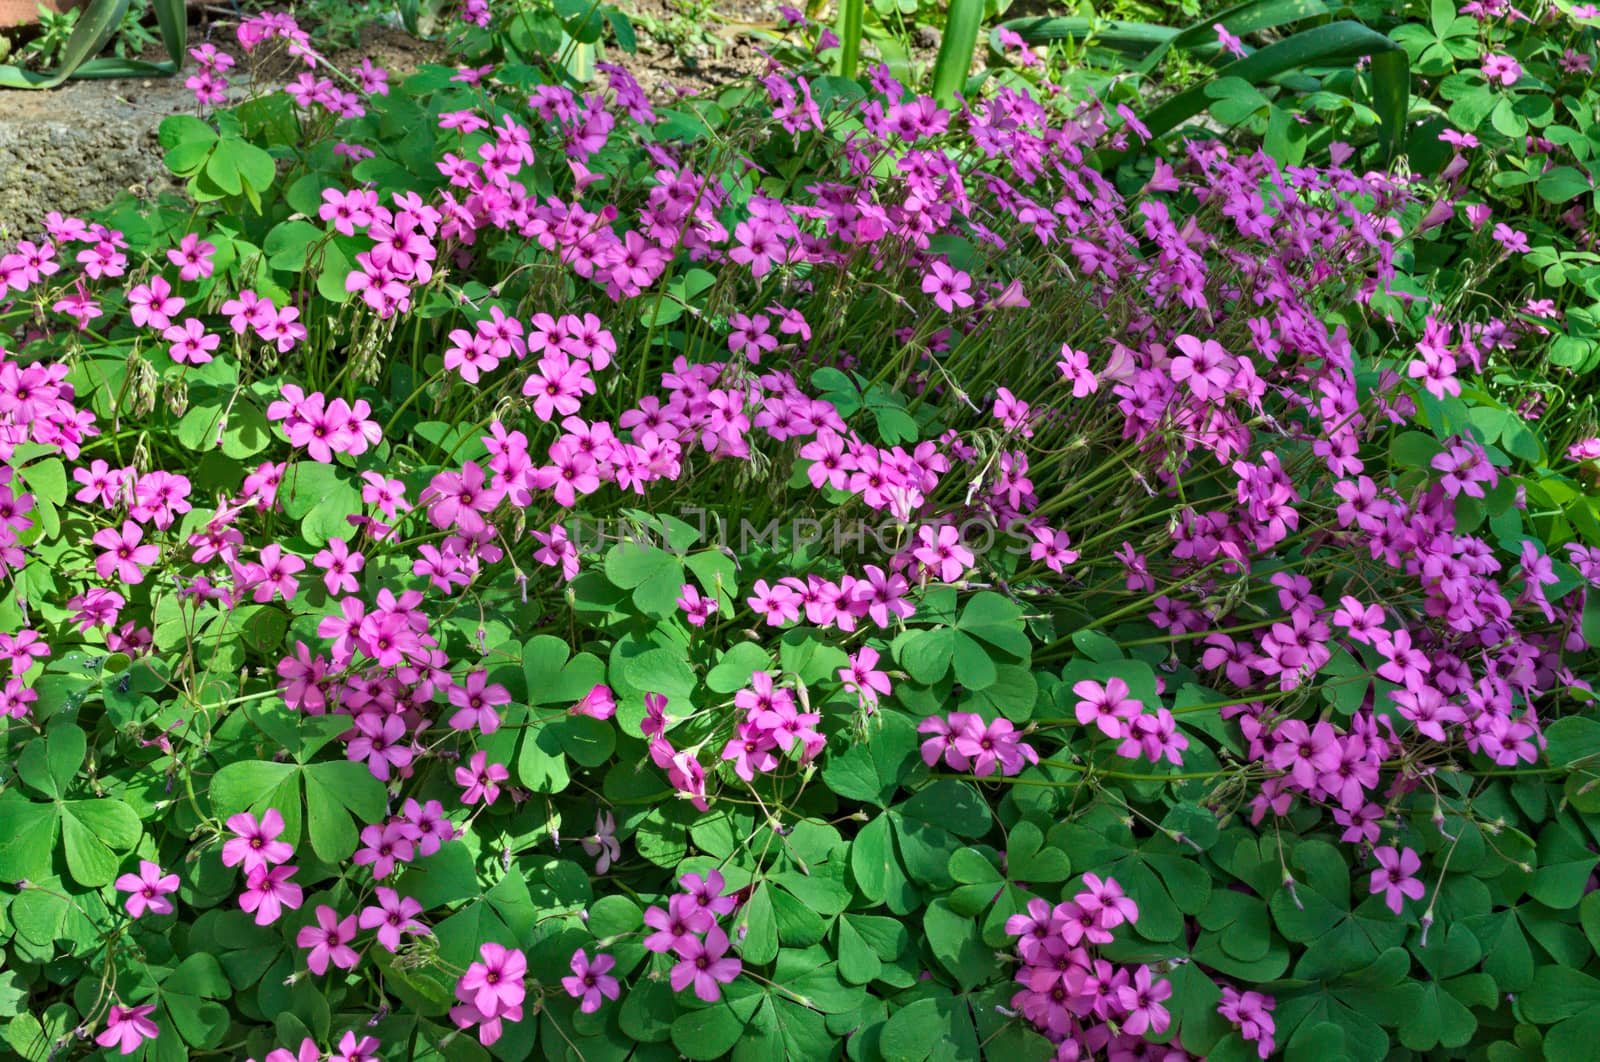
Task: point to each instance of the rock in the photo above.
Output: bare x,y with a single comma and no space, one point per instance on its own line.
74,148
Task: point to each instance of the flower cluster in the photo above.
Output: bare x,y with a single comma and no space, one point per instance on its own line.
1085,1003
687,929
966,743
491,992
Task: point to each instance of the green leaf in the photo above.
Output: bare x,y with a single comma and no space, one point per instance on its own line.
955,942
1562,183
654,576
334,790
1136,39
647,1012
247,784
974,668
736,665
950,804
926,654
47,479
173,18
286,246
49,765
301,735
27,837
939,1028
1565,864
95,832
871,770
542,763
587,741
872,858
1027,858
859,962
761,937
1572,739
709,1033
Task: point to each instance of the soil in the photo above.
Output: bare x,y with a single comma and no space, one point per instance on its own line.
668,65
74,148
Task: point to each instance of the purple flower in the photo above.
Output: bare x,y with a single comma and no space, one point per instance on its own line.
391,916
149,889
329,941
256,845
705,965
1396,876
128,1027
589,981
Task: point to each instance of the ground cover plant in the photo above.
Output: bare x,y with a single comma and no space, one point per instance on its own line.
1497,106
508,570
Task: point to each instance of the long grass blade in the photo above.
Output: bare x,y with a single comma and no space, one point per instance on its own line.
98,22
173,18
850,32
1129,38
1238,20
1332,45
956,49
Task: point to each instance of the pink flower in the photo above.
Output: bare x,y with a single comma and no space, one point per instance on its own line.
153,304
862,677
1501,68
340,566
353,1050
1230,44
1396,876
705,895
996,745
1074,365
671,925
1142,1000
1512,240
1107,706
23,650
477,703
602,845
696,609
942,553
379,741
192,256
255,844
1252,1013
947,286
589,981
705,965
494,985
1204,365
149,889
882,594
598,703
268,892
123,553
128,1027
384,846
481,779
779,604
191,343
329,941
391,916
1106,900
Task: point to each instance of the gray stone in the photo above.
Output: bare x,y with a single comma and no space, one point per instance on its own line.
74,148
